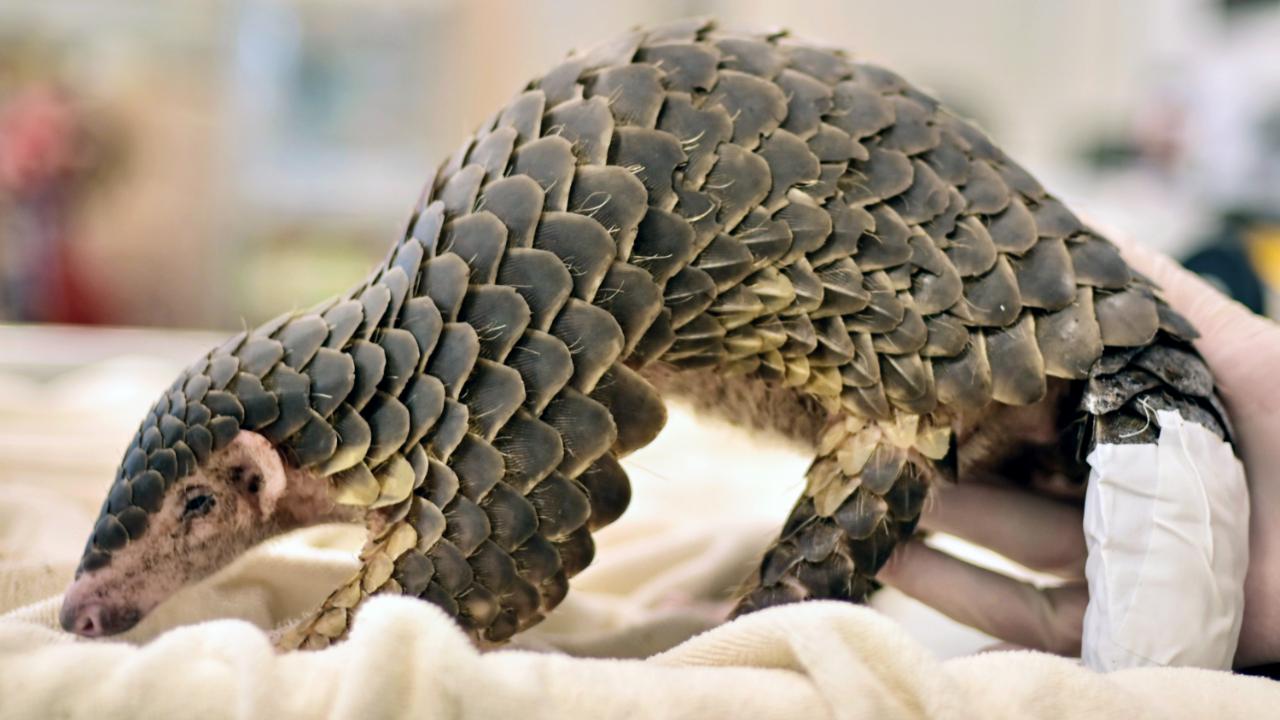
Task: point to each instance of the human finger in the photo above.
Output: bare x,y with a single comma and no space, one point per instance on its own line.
1037,532
1044,618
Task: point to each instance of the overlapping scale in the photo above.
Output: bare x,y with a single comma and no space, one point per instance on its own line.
679,196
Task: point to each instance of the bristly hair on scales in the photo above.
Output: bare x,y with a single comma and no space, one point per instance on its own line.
749,203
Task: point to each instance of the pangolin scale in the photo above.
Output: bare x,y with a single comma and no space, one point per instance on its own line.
793,238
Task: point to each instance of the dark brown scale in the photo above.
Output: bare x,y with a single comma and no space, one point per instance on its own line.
478,466
531,450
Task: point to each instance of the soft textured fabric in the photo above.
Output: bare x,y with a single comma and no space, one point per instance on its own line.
637,637
406,659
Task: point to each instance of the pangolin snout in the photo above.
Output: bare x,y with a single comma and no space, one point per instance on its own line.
96,619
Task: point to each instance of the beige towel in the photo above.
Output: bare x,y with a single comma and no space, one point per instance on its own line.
406,659
659,581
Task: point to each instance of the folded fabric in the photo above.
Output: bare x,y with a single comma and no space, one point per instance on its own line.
406,659
638,637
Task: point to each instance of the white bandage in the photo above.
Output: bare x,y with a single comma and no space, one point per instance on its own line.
1167,530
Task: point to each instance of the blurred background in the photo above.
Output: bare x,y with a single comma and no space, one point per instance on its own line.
171,171
210,163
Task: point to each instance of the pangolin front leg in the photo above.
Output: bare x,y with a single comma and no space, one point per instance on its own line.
388,564
748,211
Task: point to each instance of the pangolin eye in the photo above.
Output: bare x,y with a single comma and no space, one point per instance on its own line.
198,505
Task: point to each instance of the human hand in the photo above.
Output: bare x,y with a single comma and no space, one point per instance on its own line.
1243,351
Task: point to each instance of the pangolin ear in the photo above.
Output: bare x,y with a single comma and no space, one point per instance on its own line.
263,478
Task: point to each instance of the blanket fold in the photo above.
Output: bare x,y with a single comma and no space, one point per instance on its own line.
640,636
406,659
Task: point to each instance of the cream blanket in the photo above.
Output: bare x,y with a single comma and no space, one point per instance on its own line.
636,638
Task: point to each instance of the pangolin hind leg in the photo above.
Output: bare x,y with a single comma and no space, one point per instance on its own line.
863,494
868,487
864,491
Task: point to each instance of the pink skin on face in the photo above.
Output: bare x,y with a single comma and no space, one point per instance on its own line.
242,495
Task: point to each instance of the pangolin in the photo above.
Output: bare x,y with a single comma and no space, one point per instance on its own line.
795,240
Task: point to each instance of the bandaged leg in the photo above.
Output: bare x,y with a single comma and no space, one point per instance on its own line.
1166,518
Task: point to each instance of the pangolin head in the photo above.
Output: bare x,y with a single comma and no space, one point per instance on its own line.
223,460
316,416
